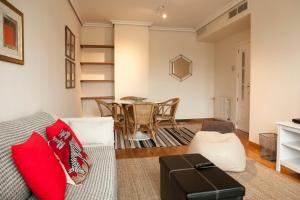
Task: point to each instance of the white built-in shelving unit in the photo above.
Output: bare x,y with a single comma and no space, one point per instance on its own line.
97,75
288,146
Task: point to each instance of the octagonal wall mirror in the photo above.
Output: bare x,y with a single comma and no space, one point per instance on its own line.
180,68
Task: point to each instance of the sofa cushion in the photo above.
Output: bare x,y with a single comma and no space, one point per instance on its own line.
93,130
73,158
55,130
101,182
12,185
40,168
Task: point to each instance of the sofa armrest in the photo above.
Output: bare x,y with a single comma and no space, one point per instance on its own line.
93,130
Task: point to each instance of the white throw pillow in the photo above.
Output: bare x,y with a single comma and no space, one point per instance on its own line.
98,130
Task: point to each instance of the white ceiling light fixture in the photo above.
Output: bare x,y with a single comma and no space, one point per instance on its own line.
164,13
162,10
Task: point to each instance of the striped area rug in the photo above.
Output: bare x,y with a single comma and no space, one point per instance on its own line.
165,137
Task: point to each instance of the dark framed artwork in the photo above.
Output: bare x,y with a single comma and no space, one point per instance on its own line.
11,33
70,74
69,44
73,75
72,46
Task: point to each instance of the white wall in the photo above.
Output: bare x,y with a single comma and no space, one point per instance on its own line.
225,67
96,35
131,60
40,83
196,92
275,61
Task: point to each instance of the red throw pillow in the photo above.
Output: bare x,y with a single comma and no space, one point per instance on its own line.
73,158
56,128
40,168
66,146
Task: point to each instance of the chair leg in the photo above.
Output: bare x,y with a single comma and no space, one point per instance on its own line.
132,136
128,131
152,129
174,124
156,125
124,131
129,134
134,131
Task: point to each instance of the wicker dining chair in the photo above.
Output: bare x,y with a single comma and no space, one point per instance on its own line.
166,111
115,111
140,116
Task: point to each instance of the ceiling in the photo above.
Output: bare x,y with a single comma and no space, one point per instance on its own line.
181,13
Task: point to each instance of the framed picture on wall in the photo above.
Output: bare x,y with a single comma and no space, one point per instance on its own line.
72,46
69,44
73,75
11,33
70,74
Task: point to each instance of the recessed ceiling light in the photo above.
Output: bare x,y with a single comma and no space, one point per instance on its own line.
164,15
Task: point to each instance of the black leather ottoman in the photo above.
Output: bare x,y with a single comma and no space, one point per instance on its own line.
179,180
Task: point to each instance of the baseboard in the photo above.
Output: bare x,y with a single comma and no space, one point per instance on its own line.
197,120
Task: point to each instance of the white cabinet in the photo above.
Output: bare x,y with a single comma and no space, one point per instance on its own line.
288,146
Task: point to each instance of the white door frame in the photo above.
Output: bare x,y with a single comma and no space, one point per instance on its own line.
238,68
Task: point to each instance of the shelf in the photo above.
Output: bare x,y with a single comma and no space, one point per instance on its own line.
288,151
97,46
293,164
97,63
293,145
97,81
99,97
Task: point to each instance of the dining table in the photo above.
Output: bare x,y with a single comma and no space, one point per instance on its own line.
130,102
139,135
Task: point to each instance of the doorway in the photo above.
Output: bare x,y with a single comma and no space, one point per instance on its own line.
243,86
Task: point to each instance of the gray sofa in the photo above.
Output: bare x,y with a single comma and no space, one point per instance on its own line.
100,184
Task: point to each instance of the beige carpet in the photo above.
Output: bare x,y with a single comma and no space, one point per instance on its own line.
138,179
